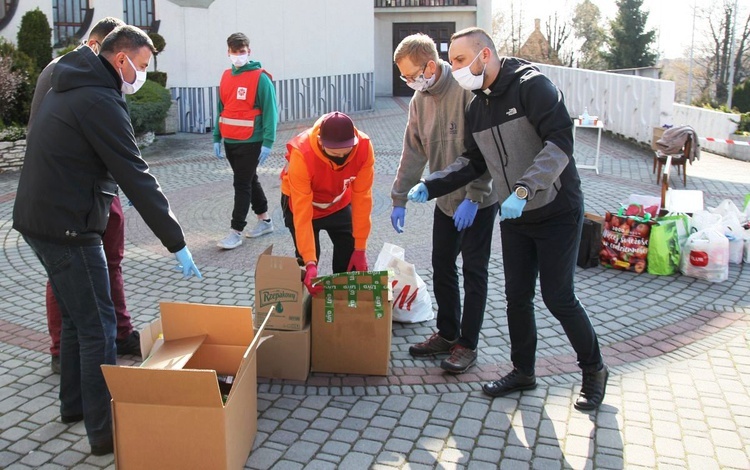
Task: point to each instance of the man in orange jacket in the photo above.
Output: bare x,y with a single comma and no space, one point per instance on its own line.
327,185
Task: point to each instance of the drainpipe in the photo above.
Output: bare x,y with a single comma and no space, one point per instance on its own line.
730,84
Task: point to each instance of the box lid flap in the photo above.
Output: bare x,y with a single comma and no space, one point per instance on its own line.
247,358
276,266
222,324
173,354
151,337
163,387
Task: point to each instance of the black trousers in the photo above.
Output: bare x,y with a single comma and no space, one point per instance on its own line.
339,228
243,158
548,250
474,244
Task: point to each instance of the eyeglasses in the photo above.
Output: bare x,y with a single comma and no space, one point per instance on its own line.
412,78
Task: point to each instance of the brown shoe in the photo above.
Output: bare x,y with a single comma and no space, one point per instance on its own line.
461,358
434,345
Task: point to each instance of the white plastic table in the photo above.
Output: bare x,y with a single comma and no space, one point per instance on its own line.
599,126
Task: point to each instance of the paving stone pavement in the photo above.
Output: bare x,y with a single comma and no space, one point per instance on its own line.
677,346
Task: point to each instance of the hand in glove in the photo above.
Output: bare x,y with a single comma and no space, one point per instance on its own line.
311,272
464,216
398,214
512,207
186,264
418,193
358,261
264,153
217,149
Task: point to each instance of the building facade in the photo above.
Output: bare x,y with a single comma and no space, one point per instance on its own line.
323,54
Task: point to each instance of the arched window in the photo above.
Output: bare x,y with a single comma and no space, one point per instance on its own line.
71,19
140,13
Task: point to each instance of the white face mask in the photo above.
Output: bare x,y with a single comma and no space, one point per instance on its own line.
140,79
238,60
468,80
421,83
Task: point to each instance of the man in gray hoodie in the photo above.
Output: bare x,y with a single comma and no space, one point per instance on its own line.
463,219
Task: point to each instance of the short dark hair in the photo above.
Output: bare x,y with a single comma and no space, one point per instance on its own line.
237,41
126,38
104,27
479,37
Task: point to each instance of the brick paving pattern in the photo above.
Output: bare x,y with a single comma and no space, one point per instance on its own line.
677,346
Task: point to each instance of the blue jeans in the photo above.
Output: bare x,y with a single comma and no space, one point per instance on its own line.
80,282
549,250
474,244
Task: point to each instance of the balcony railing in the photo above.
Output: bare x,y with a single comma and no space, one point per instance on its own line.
423,3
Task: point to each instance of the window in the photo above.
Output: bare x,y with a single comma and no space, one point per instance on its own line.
69,19
139,13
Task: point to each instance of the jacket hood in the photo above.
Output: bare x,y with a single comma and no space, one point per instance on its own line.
80,68
251,65
511,69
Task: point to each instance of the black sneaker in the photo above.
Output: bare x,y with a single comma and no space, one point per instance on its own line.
435,344
130,345
54,364
71,419
513,382
592,389
460,360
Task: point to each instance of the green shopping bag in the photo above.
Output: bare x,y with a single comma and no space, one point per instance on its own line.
683,224
663,249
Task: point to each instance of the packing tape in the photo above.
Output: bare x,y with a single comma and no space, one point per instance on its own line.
352,287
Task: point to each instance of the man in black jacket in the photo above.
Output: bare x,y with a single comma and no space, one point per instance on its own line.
519,128
80,148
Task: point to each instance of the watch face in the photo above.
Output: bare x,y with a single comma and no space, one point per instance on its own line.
522,192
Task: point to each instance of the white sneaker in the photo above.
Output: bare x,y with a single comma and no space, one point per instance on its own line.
261,228
232,241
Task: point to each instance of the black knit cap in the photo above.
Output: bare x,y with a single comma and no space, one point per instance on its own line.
337,131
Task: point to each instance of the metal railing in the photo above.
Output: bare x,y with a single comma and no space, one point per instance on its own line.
299,98
423,3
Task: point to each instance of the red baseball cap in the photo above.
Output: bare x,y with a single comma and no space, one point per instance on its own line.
337,131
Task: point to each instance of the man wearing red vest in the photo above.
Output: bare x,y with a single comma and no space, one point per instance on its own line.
327,185
246,120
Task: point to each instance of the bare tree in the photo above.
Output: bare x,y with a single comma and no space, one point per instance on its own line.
508,28
558,31
718,48
587,28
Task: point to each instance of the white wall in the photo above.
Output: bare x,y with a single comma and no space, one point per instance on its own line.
10,32
629,106
291,39
707,123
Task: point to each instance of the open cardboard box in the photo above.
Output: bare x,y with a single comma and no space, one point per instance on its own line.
278,284
285,355
169,413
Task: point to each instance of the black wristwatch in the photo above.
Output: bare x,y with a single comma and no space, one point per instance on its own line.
521,192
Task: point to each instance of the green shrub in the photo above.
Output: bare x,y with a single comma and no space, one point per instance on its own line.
35,38
149,107
741,96
12,133
158,77
743,127
17,112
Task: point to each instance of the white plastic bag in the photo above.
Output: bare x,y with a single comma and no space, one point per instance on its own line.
412,302
706,255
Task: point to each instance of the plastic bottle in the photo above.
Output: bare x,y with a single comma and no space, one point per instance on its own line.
586,121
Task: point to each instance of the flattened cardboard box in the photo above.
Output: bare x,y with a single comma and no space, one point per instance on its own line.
285,355
351,324
168,413
278,284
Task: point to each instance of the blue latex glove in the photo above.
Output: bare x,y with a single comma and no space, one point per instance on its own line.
418,193
264,153
512,207
398,214
187,266
217,149
464,216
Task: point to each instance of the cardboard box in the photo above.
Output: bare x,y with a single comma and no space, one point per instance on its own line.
278,283
656,135
285,355
169,413
351,324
